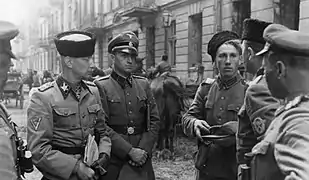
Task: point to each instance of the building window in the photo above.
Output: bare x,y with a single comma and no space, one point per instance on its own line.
172,42
195,40
286,12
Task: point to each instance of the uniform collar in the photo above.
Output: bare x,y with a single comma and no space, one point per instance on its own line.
289,104
66,89
121,80
226,84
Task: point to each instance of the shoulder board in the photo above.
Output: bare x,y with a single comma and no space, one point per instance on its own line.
139,77
89,83
256,80
103,78
209,81
46,86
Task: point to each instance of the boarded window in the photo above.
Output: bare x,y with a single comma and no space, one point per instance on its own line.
195,40
150,46
286,12
172,43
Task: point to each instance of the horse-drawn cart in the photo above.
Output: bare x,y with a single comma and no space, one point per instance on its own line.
14,89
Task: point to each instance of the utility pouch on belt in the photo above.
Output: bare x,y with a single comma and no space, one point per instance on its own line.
202,155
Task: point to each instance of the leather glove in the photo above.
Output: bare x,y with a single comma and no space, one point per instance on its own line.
100,165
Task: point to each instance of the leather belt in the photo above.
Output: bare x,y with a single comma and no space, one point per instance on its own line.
70,150
128,130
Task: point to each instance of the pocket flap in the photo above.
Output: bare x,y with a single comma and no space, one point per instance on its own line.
94,108
233,107
64,111
261,148
113,99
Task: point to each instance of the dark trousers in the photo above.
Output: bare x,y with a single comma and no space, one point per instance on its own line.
202,176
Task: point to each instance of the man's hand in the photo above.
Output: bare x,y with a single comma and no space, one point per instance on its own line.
201,128
138,155
100,165
84,172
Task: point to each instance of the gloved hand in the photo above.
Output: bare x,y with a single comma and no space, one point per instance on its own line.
100,165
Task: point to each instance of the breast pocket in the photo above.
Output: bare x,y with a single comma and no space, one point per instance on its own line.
208,113
93,111
114,104
65,117
232,112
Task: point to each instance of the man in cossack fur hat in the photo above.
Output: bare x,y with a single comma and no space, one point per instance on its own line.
63,113
212,116
259,106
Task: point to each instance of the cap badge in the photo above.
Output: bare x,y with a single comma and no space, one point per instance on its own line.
130,44
130,36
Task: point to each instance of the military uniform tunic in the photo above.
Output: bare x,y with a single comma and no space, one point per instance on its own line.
8,152
284,148
217,103
58,120
125,103
255,116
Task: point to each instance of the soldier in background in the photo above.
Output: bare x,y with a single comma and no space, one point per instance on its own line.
8,153
283,152
216,104
162,67
131,111
62,113
259,105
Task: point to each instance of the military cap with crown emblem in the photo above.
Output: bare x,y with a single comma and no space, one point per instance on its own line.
125,42
253,30
8,31
217,40
282,39
75,44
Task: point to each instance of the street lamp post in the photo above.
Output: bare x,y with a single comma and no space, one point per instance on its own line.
166,19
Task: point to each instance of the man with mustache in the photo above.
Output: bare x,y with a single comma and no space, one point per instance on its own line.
131,111
259,105
216,104
283,152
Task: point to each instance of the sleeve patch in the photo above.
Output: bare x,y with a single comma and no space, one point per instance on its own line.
259,125
35,122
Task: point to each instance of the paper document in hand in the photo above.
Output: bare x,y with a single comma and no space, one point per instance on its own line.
91,151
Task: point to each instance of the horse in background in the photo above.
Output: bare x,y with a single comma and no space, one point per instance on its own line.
170,95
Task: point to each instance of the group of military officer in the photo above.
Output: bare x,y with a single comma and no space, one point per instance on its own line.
268,115
265,121
118,110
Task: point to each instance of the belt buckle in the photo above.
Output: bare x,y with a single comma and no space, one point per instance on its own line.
130,130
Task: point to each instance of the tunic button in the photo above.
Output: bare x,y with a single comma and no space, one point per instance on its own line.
129,102
222,98
221,109
83,116
130,112
128,94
